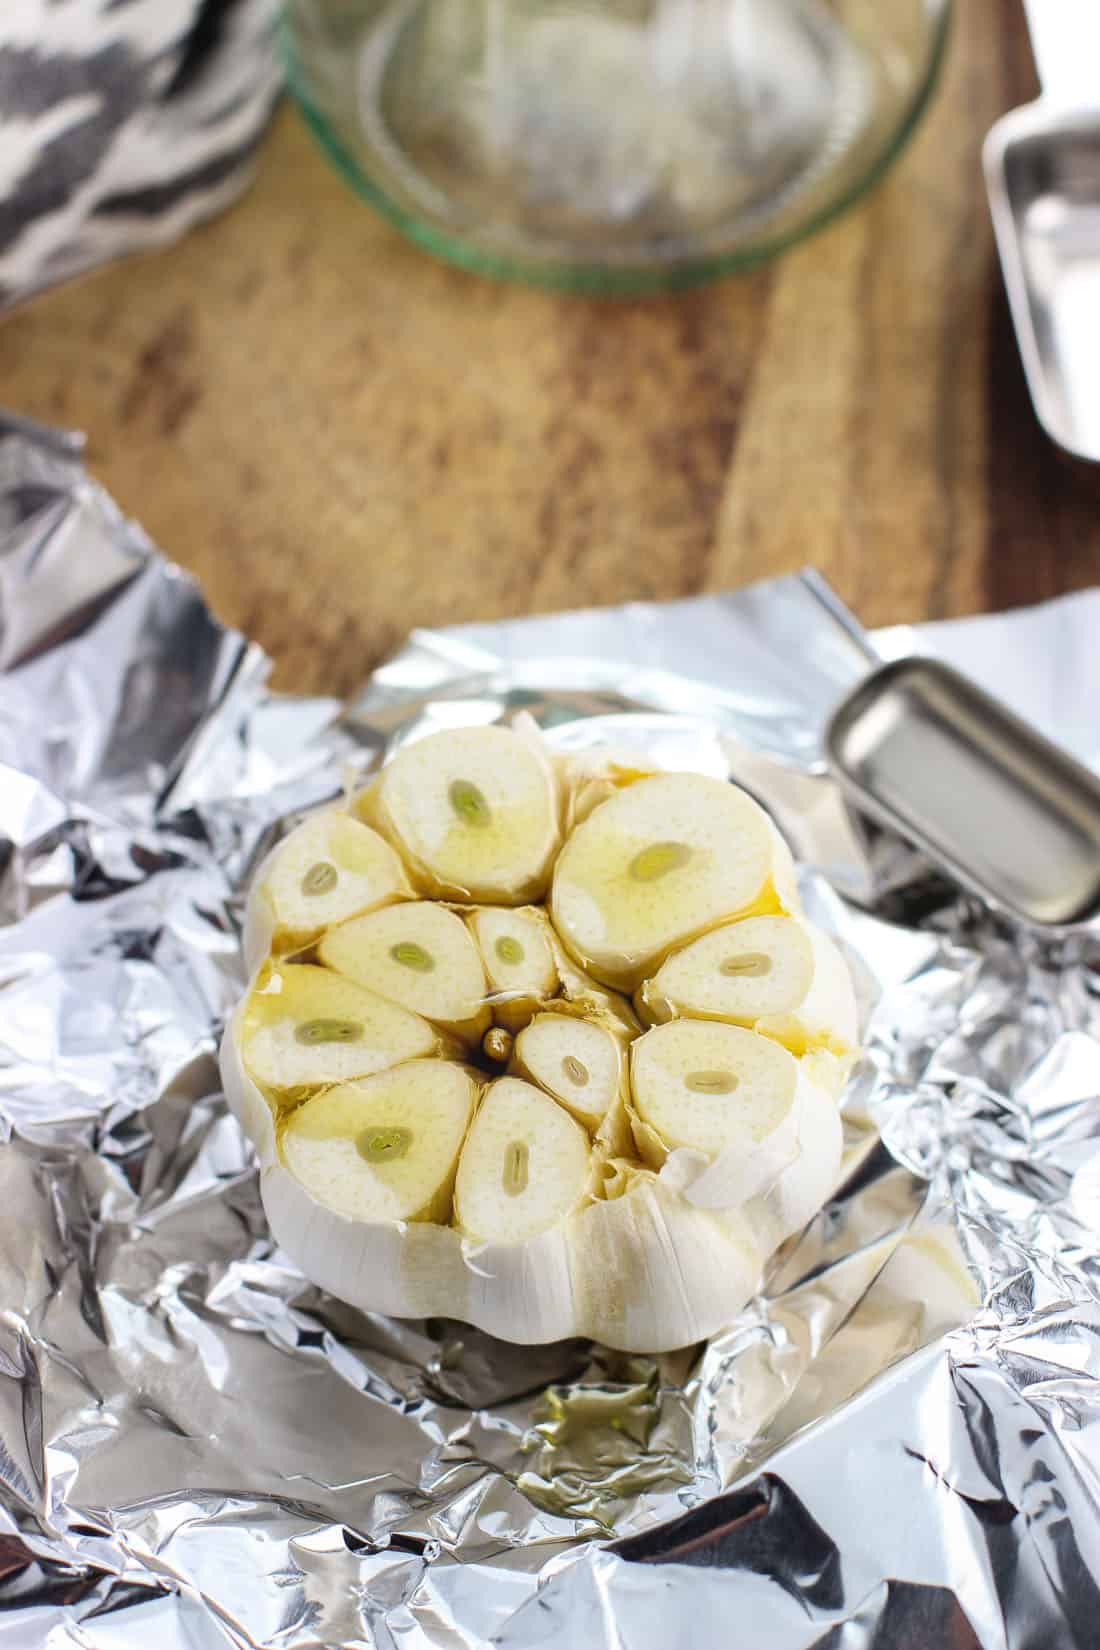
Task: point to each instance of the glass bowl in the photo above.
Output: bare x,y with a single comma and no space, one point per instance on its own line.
612,145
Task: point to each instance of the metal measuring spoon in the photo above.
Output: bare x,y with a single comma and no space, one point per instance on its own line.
1042,169
1004,812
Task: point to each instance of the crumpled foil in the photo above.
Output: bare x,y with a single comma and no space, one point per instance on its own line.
896,1444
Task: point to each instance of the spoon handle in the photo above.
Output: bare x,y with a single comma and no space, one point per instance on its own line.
1065,37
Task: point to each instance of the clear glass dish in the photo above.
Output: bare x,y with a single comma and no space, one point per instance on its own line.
612,145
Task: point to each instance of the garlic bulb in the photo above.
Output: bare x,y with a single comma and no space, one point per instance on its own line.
456,1109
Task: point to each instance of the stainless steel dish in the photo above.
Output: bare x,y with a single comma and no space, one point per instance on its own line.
1042,168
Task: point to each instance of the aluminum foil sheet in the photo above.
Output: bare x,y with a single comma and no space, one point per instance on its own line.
896,1444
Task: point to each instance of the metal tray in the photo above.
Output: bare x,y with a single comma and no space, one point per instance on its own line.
926,752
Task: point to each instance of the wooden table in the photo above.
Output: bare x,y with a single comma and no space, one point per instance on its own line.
343,438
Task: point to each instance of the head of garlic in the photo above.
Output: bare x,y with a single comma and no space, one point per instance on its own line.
458,1109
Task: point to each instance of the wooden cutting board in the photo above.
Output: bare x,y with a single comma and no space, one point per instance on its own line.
342,438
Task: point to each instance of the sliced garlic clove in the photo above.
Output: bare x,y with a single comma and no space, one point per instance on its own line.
475,811
329,868
418,955
736,1122
306,1026
659,863
385,1148
518,962
250,1106
524,1167
780,975
725,1098
576,1060
710,1086
827,1020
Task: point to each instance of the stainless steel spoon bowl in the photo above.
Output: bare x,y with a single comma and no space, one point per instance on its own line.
1042,168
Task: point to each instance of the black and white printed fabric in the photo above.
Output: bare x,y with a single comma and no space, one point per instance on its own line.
122,123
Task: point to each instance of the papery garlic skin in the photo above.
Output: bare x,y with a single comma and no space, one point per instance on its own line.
651,1272
807,1181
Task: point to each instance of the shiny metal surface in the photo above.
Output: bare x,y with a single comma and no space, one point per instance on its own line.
199,1451
927,753
1042,167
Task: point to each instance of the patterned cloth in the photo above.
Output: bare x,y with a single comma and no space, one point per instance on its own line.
122,122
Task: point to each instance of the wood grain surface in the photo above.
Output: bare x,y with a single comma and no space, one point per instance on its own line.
342,438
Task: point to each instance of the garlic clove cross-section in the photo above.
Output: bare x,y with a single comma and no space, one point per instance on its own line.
518,962
330,867
386,1148
474,811
419,955
524,1167
780,975
660,862
736,1106
576,1060
305,1027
